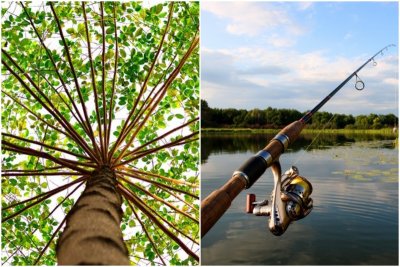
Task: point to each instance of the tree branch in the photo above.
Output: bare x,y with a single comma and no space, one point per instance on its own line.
35,173
103,78
93,76
143,88
51,239
147,234
46,146
113,83
52,110
139,177
173,226
39,118
28,151
167,179
45,195
193,45
80,120
141,154
137,203
55,208
74,74
163,201
162,136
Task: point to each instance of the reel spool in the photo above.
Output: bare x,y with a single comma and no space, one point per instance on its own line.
290,200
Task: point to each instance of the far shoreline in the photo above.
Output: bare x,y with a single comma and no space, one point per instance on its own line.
383,131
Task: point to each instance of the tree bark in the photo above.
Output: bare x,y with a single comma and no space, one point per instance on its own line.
92,235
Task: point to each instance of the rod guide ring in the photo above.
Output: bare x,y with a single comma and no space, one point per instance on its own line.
359,85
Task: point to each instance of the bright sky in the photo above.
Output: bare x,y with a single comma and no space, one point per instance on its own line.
292,54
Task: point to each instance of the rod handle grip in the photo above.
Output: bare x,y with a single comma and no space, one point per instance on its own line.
215,205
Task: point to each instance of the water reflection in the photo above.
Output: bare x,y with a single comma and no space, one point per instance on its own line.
242,142
355,216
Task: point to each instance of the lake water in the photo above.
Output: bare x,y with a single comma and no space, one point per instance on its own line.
355,194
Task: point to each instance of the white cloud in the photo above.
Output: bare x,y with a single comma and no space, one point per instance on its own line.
251,18
348,36
284,78
305,5
391,81
280,41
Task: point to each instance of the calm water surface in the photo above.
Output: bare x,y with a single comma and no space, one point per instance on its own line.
355,215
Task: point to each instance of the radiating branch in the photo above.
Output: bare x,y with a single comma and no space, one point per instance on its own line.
46,146
147,234
163,201
113,84
140,154
80,119
39,198
35,173
180,199
39,118
93,76
167,179
165,220
40,170
162,136
54,209
103,78
50,240
139,177
136,202
123,132
166,85
51,109
74,74
32,152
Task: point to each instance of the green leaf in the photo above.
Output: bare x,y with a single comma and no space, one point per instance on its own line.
132,223
71,31
81,28
159,8
123,53
139,31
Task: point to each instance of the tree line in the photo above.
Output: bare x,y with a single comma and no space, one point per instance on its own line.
272,118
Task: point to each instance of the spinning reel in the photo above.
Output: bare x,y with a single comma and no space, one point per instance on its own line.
290,200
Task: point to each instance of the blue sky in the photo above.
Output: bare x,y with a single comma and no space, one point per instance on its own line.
292,54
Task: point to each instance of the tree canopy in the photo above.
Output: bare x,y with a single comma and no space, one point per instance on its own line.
272,118
88,84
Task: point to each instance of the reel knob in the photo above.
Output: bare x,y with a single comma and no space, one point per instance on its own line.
296,193
293,210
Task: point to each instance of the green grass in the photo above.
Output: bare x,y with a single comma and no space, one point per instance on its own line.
384,131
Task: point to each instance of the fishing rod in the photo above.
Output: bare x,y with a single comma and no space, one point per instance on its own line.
290,198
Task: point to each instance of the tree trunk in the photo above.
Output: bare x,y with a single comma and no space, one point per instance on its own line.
92,235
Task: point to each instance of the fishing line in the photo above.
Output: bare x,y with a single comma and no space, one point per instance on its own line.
290,198
358,85
302,154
